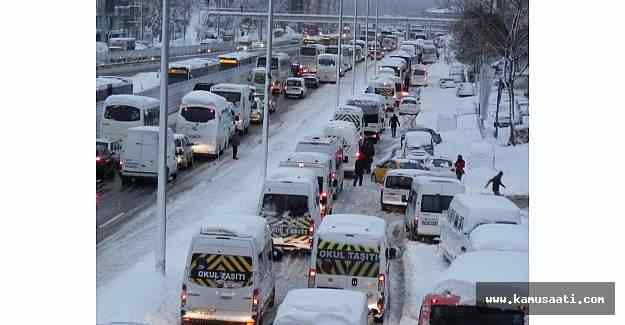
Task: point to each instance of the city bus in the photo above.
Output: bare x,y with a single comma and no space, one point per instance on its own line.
280,70
122,112
187,70
308,56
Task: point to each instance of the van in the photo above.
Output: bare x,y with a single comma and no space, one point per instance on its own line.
206,118
289,201
419,76
348,136
467,212
332,147
372,112
351,114
352,252
428,202
323,306
397,184
241,97
417,140
326,67
385,87
122,112
228,272
320,164
139,158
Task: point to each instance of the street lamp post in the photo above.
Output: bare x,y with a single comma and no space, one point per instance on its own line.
354,32
161,192
377,17
268,82
367,40
338,67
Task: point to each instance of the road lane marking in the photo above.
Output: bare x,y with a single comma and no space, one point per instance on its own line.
110,221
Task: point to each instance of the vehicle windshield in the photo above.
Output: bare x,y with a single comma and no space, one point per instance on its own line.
398,182
370,118
473,315
232,97
262,62
410,165
122,113
259,77
327,62
409,101
285,205
293,83
198,114
178,143
220,270
332,50
308,51
99,146
419,73
443,163
435,203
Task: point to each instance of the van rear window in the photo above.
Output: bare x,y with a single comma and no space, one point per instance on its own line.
435,203
122,113
398,182
198,114
281,204
220,271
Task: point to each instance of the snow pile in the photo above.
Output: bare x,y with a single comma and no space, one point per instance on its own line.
504,237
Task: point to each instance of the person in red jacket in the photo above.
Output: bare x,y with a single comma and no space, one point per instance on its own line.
459,167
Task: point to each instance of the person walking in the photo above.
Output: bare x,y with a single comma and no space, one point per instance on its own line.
235,141
369,150
359,169
496,181
394,123
459,167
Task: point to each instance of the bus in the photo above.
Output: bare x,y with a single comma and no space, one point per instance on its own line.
308,56
122,43
280,70
187,70
234,60
122,112
107,86
428,54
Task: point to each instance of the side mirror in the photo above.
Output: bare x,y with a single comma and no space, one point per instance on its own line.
345,159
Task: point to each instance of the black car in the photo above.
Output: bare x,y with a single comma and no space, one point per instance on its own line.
206,86
311,81
105,165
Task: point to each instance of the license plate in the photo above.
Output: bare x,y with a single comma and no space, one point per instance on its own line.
429,222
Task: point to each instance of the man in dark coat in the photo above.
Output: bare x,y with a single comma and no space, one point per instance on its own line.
235,141
394,123
359,169
496,181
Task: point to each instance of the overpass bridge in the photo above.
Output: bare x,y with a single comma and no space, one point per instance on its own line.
441,22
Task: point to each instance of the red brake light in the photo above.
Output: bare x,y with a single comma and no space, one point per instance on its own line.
183,295
381,282
97,159
311,277
434,301
255,300
324,194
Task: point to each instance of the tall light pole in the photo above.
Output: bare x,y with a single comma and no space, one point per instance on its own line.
377,18
338,67
161,191
367,41
268,81
354,32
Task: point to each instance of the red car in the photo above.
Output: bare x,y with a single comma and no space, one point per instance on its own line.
378,55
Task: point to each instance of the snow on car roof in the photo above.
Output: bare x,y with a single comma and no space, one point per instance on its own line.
504,237
353,224
334,124
189,64
349,108
308,157
433,178
230,86
418,137
321,306
239,226
485,208
104,81
140,102
488,266
200,97
367,97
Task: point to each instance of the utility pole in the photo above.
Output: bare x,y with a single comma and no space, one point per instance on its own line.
367,41
161,192
338,68
267,85
354,32
375,59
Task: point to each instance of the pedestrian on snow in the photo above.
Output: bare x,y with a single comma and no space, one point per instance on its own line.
394,123
459,167
496,181
235,141
369,150
359,169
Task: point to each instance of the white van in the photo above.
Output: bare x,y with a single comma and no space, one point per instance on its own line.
228,272
323,306
349,138
352,252
320,164
241,97
332,147
385,87
428,202
467,212
289,201
206,119
139,158
351,114
122,112
419,76
326,67
372,112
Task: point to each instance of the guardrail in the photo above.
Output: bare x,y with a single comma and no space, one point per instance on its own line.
106,59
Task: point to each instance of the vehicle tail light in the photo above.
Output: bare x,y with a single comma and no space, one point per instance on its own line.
333,176
98,159
381,279
358,155
183,295
255,300
324,194
312,273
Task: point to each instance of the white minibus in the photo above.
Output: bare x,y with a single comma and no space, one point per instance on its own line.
320,164
332,147
326,67
280,70
308,56
122,112
241,97
349,138
373,113
419,76
353,114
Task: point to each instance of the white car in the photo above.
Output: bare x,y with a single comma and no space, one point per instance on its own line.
446,83
409,106
465,89
295,87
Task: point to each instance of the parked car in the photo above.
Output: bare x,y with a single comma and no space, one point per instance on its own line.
206,86
446,83
184,151
436,137
409,106
105,166
379,171
295,87
114,148
311,80
465,89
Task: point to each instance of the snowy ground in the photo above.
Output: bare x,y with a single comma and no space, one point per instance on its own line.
128,289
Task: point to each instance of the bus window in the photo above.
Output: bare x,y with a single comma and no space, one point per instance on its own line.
122,113
324,61
198,114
